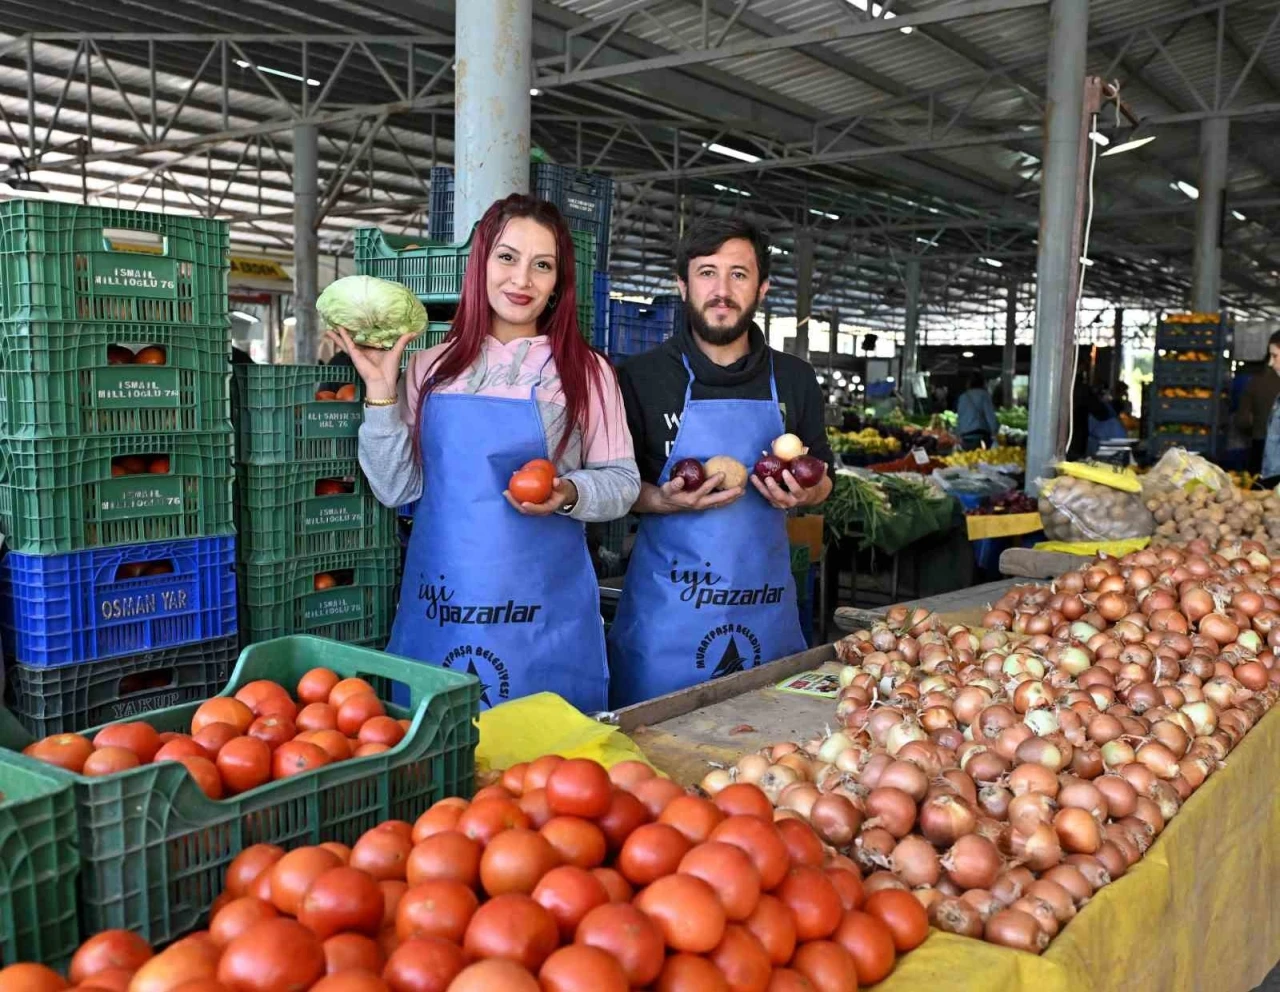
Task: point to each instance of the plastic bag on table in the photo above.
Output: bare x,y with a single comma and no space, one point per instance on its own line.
1079,510
1179,468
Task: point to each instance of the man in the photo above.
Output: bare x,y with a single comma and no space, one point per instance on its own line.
709,589
1256,401
976,421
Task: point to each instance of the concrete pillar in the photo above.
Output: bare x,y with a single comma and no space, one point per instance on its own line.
1117,354
1009,364
910,329
1058,260
804,291
1206,279
306,277
491,123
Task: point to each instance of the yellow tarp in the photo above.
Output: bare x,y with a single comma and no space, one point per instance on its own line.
1199,913
982,526
544,723
1114,549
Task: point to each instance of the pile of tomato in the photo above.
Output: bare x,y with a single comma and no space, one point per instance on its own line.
237,743
563,878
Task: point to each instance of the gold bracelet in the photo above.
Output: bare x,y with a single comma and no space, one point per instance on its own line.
391,402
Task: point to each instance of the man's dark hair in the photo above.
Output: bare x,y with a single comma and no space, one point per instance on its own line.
1274,339
707,236
977,380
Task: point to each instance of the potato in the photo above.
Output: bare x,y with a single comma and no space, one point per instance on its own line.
735,473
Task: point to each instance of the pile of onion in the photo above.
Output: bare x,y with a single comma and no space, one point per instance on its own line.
1003,775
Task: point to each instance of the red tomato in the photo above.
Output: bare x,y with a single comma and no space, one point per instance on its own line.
436,909
110,949
215,737
315,686
512,926
802,843
849,885
206,774
569,893
827,965
222,709
690,973
652,851
902,913
331,742
744,799
513,778
484,820
248,865
743,961
625,774
381,730
535,806
762,843
444,815
273,730
180,747
140,738
342,900
626,812
446,855
515,861
729,871
773,925
384,854
347,688
356,709
244,763
629,935
579,968
237,916
294,873
870,943
424,964
274,956
693,816
496,973
188,960
814,902
352,980
296,757
69,751
539,770
109,760
687,912
578,842
263,696
542,465
615,886
656,794
352,951
317,716
530,487
579,787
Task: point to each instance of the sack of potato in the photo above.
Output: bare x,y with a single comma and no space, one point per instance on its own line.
1075,509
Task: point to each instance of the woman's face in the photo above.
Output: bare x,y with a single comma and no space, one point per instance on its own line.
522,271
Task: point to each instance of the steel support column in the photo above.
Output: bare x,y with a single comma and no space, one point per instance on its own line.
1206,278
306,195
492,120
1117,358
1058,258
804,291
910,330
1009,364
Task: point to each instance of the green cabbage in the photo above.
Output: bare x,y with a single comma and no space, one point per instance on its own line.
374,312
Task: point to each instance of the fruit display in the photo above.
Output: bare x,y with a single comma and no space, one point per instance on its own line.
237,743
907,463
345,393
1013,501
1012,455
868,441
1194,430
1227,515
1186,393
1191,318
1189,356
560,876
1002,776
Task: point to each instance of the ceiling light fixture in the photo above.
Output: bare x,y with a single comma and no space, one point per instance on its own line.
731,189
995,263
277,72
1098,138
1128,146
823,213
1238,215
1186,188
728,152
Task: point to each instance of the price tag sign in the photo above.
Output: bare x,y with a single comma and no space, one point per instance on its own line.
919,455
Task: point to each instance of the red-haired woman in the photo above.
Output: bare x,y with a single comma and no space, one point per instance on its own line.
493,586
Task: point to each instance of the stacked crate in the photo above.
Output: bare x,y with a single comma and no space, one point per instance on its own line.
1190,382
117,591
635,328
318,554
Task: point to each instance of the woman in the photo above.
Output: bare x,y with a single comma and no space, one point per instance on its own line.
492,586
976,421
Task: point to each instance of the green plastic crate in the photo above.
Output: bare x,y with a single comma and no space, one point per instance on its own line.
63,261
55,380
59,494
435,334
434,272
280,598
279,516
154,849
38,866
279,421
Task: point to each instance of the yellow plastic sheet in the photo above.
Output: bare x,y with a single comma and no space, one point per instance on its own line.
1126,480
1199,913
544,723
1114,549
1002,525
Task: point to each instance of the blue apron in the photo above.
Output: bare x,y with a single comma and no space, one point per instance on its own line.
708,593
509,598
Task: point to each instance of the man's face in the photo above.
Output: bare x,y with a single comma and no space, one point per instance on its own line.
723,292
1273,356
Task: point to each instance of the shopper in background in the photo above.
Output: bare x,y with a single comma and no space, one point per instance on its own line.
709,589
976,422
1104,421
1254,416
492,586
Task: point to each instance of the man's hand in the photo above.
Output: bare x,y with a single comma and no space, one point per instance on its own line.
794,494
563,493
674,498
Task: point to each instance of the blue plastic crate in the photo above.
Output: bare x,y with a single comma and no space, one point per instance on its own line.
635,328
600,299
585,199
64,609
440,218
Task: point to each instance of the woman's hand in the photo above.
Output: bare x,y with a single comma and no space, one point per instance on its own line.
378,367
563,493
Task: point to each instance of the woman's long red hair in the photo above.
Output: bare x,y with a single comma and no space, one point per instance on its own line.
577,363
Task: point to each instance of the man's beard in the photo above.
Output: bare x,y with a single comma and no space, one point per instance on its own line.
720,336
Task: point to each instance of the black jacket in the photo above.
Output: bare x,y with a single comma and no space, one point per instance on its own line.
653,386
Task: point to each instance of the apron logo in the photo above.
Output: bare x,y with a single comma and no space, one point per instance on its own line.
730,648
439,608
491,671
698,587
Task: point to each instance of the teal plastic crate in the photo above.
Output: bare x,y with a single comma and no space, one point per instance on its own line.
291,511
66,261
71,494
279,421
61,379
154,848
435,334
288,597
434,272
39,866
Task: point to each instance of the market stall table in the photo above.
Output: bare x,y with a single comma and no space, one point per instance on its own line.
1198,912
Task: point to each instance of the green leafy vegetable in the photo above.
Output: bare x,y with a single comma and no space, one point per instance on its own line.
374,312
